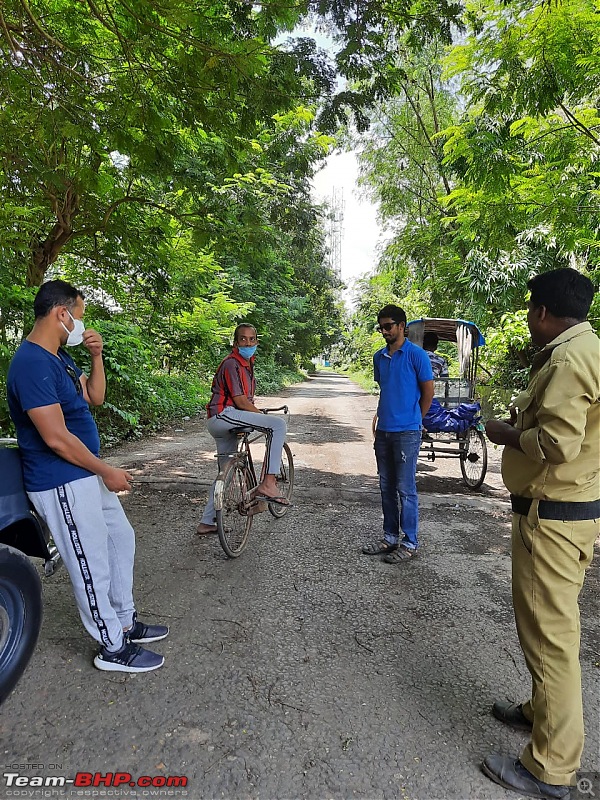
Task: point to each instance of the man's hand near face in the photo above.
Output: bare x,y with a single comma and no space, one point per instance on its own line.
94,386
92,341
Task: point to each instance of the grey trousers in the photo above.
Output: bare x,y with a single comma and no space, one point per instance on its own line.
97,544
222,428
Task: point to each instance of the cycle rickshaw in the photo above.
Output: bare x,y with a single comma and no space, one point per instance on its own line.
453,428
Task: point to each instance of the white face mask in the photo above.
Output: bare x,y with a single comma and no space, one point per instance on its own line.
76,335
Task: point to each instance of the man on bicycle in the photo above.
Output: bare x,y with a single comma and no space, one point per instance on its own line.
232,406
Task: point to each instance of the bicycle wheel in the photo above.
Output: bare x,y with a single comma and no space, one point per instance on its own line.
20,616
285,482
473,460
232,498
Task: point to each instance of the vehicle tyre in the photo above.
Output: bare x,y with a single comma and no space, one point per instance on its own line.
20,616
473,459
233,520
285,482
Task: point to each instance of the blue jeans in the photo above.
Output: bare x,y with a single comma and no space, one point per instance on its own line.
396,453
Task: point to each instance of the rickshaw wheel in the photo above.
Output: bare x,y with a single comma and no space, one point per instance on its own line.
473,460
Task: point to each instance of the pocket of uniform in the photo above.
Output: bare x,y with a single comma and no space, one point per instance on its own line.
526,533
522,402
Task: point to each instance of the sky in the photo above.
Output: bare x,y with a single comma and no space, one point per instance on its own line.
360,229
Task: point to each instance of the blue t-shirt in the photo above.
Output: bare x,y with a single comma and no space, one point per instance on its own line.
398,377
38,378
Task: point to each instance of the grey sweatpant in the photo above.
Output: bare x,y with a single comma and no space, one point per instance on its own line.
97,544
222,428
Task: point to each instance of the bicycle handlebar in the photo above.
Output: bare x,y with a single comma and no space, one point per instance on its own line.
271,410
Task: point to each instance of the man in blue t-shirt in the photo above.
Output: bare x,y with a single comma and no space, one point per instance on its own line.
403,372
72,489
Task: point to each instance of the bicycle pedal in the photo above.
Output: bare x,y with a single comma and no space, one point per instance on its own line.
257,507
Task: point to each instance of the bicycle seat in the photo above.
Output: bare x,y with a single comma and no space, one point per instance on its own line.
244,429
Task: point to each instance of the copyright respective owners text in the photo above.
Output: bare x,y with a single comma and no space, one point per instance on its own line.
32,781
588,785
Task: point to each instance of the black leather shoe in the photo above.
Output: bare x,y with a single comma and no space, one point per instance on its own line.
511,714
510,773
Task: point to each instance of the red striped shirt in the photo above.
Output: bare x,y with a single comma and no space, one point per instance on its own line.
234,377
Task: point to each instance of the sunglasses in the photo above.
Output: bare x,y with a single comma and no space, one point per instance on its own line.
73,375
387,327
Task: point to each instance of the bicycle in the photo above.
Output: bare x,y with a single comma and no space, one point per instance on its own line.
235,505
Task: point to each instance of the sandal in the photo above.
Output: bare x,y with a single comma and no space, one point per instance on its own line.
211,529
377,548
279,501
400,555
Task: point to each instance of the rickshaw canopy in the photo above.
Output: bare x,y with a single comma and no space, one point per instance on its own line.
446,329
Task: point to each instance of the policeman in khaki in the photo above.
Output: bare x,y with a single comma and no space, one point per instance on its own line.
551,467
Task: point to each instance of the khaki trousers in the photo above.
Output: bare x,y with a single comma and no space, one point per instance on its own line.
549,558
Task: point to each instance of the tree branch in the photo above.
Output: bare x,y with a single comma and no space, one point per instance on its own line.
579,125
10,40
423,127
130,199
40,30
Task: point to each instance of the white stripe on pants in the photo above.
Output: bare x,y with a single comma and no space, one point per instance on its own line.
97,544
222,428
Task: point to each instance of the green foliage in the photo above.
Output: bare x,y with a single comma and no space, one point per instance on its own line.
506,357
488,172
140,393
525,155
364,378
159,157
270,377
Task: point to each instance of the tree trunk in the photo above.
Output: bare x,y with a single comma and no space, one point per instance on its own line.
44,254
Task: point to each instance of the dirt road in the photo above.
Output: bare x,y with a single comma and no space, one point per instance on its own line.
302,669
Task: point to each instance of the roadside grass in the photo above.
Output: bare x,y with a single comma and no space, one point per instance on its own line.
364,378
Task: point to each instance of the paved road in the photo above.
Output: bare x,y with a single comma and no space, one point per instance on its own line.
302,669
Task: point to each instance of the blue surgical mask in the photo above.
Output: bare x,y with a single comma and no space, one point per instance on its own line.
247,352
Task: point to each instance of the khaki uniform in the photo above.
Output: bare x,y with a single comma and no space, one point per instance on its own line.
553,542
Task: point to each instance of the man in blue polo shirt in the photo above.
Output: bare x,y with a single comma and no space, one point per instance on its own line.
403,372
72,489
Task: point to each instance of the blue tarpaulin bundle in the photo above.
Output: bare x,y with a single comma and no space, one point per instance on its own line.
442,420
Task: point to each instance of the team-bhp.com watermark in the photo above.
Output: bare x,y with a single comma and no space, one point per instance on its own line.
94,784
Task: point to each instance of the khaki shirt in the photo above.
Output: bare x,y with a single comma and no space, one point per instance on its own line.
559,414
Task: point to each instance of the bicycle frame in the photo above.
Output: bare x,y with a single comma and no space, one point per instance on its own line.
243,455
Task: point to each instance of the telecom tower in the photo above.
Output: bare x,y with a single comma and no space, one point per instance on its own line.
335,230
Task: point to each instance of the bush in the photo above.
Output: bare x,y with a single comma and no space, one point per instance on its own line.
141,392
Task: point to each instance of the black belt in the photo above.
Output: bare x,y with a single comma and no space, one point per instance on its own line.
554,509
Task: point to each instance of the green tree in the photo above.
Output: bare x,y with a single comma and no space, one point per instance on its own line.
513,186
402,168
525,156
